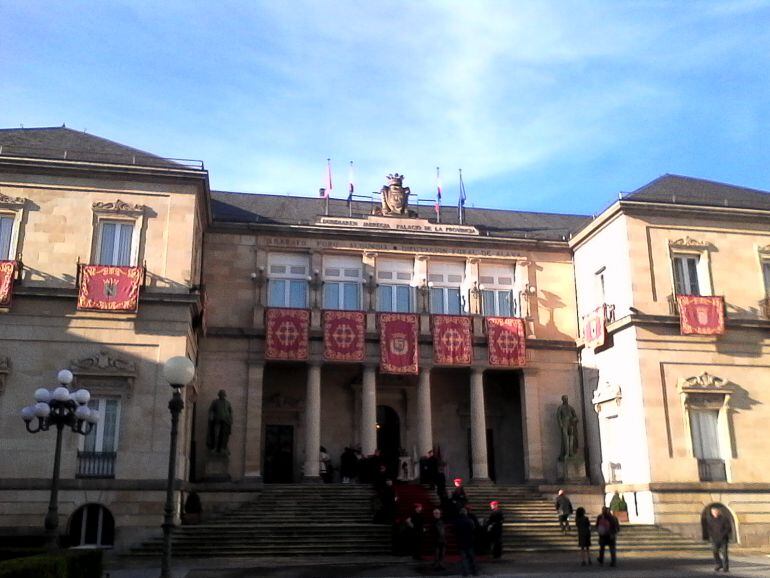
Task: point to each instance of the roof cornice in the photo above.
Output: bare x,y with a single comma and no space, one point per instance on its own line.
26,163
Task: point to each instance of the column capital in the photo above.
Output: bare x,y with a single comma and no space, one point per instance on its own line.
370,364
530,371
426,368
478,368
314,362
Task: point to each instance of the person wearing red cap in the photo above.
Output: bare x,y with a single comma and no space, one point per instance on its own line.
459,499
416,524
494,527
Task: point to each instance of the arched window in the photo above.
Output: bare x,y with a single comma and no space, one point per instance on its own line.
92,525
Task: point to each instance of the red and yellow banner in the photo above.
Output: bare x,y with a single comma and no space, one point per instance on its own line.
594,332
286,334
452,343
7,276
109,288
398,343
701,315
506,341
344,335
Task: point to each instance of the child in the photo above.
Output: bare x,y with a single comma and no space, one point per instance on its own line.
583,525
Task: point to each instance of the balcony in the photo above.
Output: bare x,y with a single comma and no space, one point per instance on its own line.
93,465
712,470
765,307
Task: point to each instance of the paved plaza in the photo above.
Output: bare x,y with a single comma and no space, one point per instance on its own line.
753,564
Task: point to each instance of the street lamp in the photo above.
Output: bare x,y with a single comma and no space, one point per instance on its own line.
59,408
178,371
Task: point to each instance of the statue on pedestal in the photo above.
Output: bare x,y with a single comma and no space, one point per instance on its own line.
220,424
568,420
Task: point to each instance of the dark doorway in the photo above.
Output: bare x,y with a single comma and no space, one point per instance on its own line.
490,455
279,454
389,437
92,525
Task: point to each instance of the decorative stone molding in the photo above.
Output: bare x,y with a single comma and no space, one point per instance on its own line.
280,401
103,365
13,203
606,392
688,243
764,251
5,369
705,390
118,207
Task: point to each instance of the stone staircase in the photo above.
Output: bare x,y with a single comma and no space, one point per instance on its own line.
286,520
531,525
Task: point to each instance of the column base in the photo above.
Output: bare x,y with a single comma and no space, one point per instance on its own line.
482,482
254,480
571,470
312,480
217,468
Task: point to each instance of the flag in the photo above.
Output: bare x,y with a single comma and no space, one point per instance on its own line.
351,186
438,194
327,190
461,200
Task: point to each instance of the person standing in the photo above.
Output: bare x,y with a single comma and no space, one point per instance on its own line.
439,540
564,508
465,533
718,529
348,463
583,525
494,527
607,527
416,524
325,465
459,499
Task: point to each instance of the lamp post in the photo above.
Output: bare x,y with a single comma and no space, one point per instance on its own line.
59,408
178,371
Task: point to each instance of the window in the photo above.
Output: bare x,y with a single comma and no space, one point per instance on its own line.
686,280
497,295
445,280
766,275
6,231
115,246
342,282
97,459
704,427
394,290
287,280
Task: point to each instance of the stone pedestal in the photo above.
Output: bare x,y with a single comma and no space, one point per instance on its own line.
217,468
571,470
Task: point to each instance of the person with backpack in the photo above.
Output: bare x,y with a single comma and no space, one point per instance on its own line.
583,525
607,527
564,508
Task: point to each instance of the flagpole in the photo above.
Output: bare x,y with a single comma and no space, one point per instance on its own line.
329,189
351,188
461,202
438,196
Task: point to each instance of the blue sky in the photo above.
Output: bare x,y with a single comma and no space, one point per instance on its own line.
547,106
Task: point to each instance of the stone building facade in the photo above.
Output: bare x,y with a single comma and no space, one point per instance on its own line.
217,263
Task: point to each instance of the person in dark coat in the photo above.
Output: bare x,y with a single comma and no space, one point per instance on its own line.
718,529
465,534
607,527
439,540
458,498
387,495
583,525
494,527
441,485
564,508
416,524
348,465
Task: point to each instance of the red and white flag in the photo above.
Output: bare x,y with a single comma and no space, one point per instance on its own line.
326,191
438,194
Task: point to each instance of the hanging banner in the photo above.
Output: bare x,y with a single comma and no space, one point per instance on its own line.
344,335
398,343
452,343
109,288
7,276
594,330
701,315
506,341
286,334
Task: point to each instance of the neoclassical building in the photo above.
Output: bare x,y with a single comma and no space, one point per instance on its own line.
377,324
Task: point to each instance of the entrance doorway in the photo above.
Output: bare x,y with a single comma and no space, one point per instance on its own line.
389,437
279,454
92,525
490,454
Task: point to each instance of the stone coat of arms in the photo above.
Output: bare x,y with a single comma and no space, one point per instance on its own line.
395,197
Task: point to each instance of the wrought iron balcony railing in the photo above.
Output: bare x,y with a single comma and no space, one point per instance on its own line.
96,465
712,470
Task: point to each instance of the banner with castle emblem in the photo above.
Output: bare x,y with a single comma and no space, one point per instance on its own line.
109,288
344,335
7,276
452,343
594,332
286,334
398,343
506,341
701,315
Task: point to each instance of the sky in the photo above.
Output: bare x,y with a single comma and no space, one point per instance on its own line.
552,106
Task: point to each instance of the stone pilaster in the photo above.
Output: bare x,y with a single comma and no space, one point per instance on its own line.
369,410
533,435
252,450
312,422
478,426
425,417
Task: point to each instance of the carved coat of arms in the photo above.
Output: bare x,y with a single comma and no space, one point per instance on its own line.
395,197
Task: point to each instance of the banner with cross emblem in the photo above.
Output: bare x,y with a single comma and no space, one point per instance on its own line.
344,335
506,341
7,276
109,288
699,315
286,334
398,343
452,343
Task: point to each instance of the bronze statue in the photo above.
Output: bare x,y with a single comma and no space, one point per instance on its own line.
220,423
395,197
568,420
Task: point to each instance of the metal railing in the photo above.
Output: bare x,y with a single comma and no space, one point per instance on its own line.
137,159
765,307
96,465
673,306
712,470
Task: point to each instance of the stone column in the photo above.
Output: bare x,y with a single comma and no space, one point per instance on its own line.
369,410
533,435
424,415
478,426
312,422
252,448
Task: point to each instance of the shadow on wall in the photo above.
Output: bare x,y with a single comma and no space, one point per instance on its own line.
550,302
